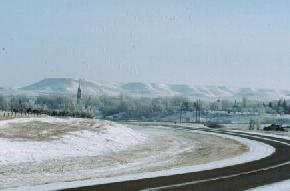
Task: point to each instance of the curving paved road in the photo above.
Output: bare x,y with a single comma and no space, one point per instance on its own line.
239,177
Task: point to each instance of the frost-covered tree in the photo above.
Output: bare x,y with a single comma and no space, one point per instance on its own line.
244,102
3,103
252,124
226,105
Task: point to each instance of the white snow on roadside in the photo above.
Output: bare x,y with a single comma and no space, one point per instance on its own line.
279,186
264,134
257,150
111,138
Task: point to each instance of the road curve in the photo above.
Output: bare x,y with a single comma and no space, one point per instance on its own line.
273,168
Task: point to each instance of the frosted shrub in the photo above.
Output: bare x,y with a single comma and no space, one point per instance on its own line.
251,124
254,124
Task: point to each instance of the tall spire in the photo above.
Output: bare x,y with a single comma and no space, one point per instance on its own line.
79,93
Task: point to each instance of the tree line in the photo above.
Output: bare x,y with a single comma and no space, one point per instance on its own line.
126,107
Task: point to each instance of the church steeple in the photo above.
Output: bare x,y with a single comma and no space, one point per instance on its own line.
79,93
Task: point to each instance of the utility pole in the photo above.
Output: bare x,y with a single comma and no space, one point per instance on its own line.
180,115
199,110
196,111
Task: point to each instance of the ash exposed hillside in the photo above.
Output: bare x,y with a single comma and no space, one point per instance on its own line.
69,86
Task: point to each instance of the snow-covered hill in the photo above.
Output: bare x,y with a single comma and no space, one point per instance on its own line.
69,86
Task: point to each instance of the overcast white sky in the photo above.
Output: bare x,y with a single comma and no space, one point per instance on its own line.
197,42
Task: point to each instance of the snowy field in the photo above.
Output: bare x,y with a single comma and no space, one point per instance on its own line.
50,153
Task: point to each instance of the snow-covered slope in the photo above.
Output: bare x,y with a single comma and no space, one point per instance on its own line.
69,86
81,138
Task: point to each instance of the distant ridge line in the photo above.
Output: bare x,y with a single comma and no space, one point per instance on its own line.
69,86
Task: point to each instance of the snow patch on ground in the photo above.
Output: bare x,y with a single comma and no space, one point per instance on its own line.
111,138
279,186
257,150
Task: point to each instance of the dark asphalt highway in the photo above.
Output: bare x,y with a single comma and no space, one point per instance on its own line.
274,168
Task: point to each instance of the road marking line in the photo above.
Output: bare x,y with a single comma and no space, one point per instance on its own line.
217,178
